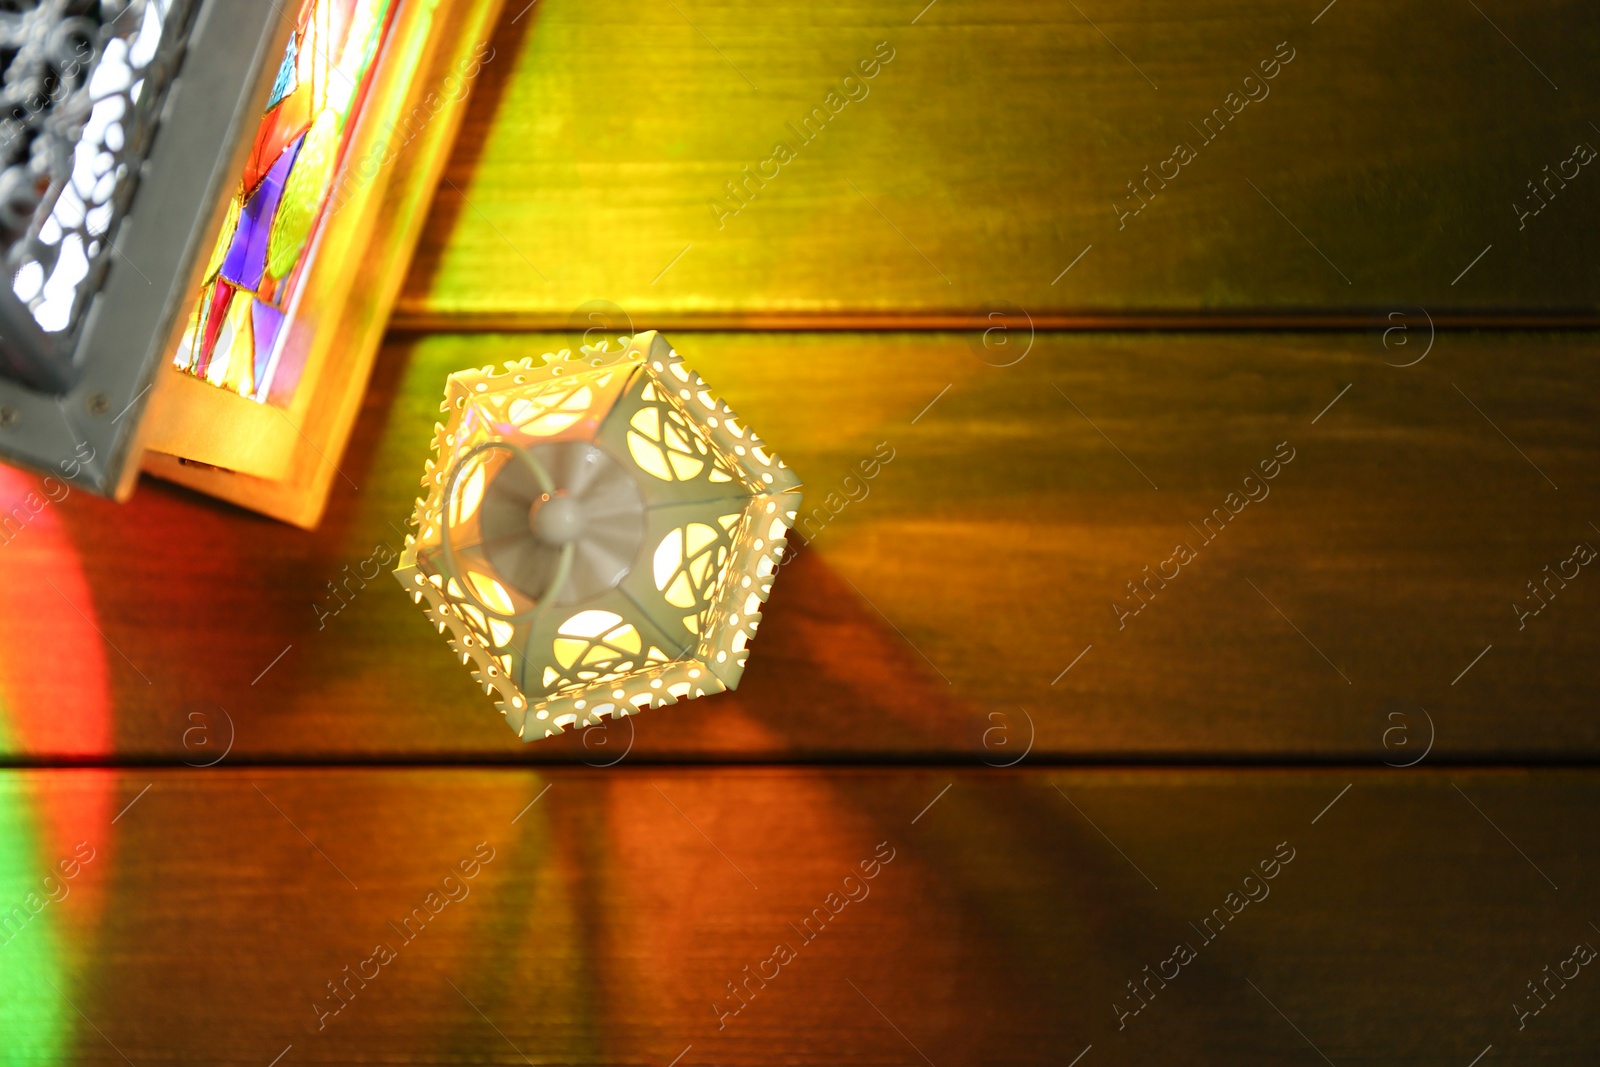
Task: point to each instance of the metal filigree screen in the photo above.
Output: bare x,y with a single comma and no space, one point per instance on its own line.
83,85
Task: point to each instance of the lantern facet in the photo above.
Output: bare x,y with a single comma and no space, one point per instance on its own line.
598,533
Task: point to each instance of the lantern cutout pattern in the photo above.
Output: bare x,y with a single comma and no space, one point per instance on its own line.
597,534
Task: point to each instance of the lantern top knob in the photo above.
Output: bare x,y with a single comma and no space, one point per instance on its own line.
556,520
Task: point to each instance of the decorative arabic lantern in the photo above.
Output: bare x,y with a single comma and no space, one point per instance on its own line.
206,210
598,534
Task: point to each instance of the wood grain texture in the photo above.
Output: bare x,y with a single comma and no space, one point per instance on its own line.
1392,150
617,907
961,583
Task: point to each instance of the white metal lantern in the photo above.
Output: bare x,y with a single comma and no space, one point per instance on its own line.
598,533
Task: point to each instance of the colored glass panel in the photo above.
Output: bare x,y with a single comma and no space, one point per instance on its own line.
285,82
247,257
233,345
215,312
236,323
303,195
282,125
224,240
264,323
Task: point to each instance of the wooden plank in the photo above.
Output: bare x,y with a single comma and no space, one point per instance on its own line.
999,145
607,914
973,571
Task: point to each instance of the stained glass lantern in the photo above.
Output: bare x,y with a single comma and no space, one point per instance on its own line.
598,534
206,209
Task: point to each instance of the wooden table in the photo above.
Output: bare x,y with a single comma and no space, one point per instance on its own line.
1325,794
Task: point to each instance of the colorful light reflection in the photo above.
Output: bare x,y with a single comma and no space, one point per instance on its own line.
54,700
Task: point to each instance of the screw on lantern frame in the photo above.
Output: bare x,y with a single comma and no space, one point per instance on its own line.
454,572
